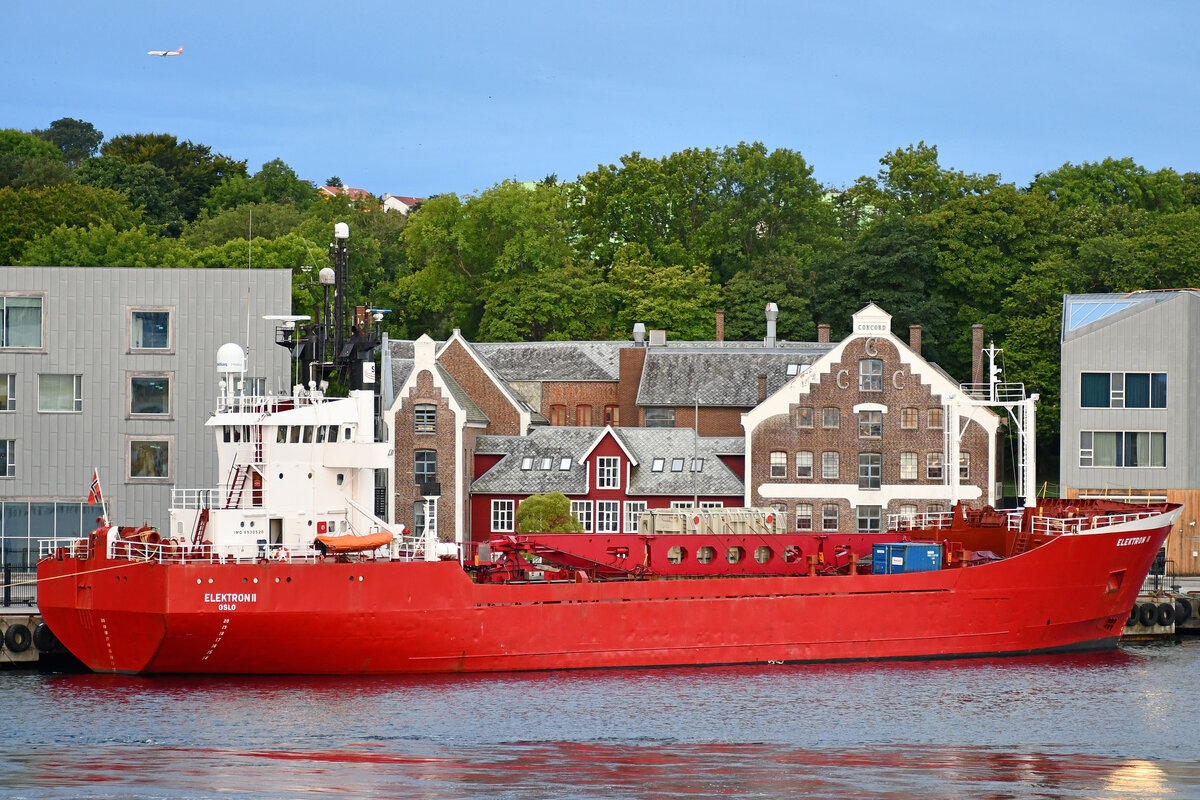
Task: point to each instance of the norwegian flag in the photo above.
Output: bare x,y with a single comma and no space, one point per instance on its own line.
94,495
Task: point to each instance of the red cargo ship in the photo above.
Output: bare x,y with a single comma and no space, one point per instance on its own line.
285,569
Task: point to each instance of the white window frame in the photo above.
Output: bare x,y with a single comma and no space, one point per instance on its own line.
870,374
826,519
608,472
804,516
129,328
831,418
10,383
8,459
934,466
77,391
425,418
504,515
608,516
130,440
169,377
41,345
908,466
804,464
872,516
632,509
831,465
870,471
778,464
582,510
964,466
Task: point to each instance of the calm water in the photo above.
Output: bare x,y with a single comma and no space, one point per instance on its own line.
1112,725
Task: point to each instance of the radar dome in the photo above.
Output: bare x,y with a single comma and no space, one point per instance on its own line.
231,358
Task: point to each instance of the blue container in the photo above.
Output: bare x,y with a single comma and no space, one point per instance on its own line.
887,559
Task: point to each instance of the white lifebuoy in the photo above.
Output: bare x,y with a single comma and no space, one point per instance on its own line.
282,554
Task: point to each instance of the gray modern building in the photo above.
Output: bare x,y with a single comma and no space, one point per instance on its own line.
114,370
1130,383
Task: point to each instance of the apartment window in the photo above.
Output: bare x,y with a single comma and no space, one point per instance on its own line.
632,509
830,466
57,393
425,418
870,375
804,417
424,467
964,466
150,395
933,466
608,474
608,516
829,517
22,321
831,417
869,519
908,418
502,515
558,415
149,458
583,416
660,418
8,392
804,514
908,466
934,419
804,464
1123,390
582,511
934,508
8,458
778,464
908,513
1122,449
870,470
870,424
612,415
150,329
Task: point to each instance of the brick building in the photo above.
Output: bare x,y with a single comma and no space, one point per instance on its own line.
464,413
866,431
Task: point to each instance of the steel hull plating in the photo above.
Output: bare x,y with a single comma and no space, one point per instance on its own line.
1073,593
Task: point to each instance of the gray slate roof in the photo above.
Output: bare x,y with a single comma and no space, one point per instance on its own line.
719,377
646,445
553,361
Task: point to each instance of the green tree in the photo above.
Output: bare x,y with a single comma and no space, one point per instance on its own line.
912,182
679,299
570,302
76,140
788,281
547,513
145,185
192,166
260,220
26,214
27,161
1113,182
102,245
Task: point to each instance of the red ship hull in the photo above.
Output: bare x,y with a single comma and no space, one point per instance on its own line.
1073,592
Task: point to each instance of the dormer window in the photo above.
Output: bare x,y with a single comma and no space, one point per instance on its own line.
527,463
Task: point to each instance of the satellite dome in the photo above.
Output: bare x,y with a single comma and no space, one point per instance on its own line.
231,358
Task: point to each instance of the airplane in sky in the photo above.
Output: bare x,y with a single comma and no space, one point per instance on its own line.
165,52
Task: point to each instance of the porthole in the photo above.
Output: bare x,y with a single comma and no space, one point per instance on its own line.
676,554
734,554
762,554
705,554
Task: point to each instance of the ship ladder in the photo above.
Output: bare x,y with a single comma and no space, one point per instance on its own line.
201,524
1021,542
237,485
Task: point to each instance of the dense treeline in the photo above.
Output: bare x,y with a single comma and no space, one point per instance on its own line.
664,241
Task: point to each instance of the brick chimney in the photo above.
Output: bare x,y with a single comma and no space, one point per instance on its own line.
762,387
721,325
823,332
914,338
977,353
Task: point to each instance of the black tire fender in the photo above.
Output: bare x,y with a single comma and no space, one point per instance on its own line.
44,638
1133,615
1165,614
1183,609
1147,614
18,638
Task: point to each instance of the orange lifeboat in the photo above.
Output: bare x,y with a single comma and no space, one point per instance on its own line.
353,544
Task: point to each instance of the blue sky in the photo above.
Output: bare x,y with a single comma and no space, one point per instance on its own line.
416,99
